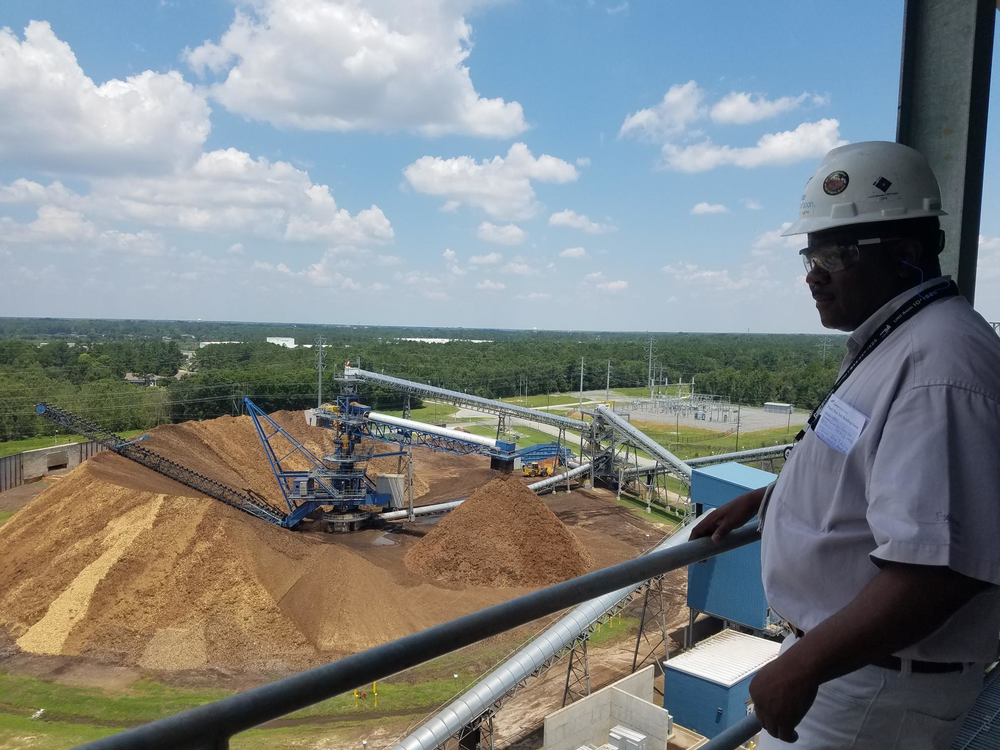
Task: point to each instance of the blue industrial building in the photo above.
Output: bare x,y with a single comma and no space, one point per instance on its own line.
728,586
707,689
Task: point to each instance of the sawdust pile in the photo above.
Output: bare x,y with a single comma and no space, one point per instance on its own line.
114,563
228,450
502,536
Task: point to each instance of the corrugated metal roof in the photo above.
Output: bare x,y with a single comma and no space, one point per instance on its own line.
981,730
738,474
725,658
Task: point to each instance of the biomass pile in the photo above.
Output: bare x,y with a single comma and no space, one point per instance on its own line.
502,536
151,578
228,450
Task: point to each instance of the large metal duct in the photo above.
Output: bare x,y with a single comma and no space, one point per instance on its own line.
472,704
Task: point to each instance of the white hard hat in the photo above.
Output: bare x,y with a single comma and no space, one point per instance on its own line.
867,182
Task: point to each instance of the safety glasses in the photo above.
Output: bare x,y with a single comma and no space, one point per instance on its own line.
834,257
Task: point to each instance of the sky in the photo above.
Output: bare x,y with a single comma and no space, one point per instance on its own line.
552,164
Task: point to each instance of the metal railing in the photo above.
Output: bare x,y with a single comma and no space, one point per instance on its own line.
210,726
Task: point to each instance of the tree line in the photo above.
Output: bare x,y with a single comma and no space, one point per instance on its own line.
86,377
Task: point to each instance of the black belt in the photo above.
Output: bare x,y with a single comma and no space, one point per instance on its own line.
896,664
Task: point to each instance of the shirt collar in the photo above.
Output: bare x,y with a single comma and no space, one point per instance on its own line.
864,331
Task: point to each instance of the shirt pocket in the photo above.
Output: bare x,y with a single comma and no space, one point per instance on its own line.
818,475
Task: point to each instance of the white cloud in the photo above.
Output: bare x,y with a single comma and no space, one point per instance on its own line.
573,252
570,218
389,260
808,140
508,234
62,229
227,191
681,105
742,108
614,10
491,286
236,248
322,274
449,254
417,279
537,296
347,65
752,205
378,286
490,259
709,208
765,243
583,162
595,276
55,118
451,207
988,271
749,279
613,286
519,267
500,186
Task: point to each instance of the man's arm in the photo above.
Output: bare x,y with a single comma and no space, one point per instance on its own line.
732,515
901,605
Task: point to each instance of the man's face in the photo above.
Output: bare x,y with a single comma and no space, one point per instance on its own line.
845,299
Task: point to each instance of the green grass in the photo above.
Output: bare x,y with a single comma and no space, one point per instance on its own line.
657,513
11,447
142,701
5,515
644,391
17,731
696,442
528,435
615,631
430,413
544,399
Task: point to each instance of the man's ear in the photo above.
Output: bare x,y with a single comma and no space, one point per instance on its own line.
907,253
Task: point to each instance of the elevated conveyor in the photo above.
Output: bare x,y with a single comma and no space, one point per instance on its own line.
639,439
457,398
247,501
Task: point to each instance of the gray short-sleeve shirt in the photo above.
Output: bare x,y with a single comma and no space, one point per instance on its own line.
920,485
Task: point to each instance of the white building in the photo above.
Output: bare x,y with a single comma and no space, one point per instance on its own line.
286,341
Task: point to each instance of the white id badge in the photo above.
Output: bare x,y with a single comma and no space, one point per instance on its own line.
840,425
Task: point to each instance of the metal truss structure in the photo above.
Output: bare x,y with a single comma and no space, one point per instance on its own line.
246,500
467,400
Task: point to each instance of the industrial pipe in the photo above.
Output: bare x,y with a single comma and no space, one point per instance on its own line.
426,510
410,424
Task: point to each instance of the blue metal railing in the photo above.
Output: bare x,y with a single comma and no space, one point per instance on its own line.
209,727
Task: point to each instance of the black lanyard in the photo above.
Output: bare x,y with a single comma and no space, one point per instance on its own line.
907,310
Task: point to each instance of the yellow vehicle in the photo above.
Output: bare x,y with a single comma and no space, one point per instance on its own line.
539,468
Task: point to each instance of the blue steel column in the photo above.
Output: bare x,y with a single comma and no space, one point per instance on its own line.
944,90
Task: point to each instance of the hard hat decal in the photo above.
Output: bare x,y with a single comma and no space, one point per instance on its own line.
882,184
836,183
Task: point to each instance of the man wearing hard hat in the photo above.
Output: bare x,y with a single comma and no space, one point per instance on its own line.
881,536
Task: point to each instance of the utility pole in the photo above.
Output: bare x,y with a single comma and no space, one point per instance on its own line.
650,378
824,346
739,411
581,388
319,366
607,387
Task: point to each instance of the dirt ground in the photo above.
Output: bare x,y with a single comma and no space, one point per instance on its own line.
113,572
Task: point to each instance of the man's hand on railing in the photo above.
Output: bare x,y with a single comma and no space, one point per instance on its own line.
732,515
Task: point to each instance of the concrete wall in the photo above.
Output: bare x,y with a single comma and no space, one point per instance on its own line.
626,702
639,684
651,720
38,463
